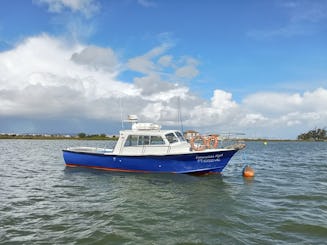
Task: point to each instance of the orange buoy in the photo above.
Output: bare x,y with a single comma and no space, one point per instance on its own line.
248,172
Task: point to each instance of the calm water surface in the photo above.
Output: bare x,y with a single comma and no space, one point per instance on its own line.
42,202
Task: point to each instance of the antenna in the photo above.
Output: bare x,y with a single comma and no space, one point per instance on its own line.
180,113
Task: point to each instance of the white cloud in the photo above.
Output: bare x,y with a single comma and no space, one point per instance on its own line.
272,102
48,77
187,72
189,69
141,64
221,112
98,58
43,65
252,119
86,7
152,84
144,63
282,103
284,112
156,61
222,101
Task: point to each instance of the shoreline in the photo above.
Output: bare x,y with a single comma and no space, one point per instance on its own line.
99,137
30,137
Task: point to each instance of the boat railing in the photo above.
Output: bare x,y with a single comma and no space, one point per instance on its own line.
230,140
221,140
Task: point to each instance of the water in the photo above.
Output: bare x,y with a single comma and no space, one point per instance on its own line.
42,202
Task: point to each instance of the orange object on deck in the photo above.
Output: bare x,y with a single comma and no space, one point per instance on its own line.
248,171
212,142
197,147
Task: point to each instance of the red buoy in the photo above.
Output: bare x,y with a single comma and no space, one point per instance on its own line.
248,172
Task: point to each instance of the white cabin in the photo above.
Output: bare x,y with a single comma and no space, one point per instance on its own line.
149,139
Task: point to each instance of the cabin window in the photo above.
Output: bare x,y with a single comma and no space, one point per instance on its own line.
131,140
171,138
157,140
144,140
180,136
139,140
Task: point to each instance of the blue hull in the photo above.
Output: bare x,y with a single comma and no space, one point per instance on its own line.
195,162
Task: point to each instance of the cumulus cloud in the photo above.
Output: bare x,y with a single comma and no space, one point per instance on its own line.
272,102
153,84
219,111
43,79
86,7
222,101
48,77
250,119
283,103
286,111
96,57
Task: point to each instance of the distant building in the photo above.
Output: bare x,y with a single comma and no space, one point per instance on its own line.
190,134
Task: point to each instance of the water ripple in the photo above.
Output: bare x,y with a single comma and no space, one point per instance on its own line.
44,202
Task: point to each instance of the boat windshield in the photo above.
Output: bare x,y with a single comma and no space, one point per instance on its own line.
180,136
157,140
171,137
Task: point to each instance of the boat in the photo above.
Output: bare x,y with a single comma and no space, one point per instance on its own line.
146,148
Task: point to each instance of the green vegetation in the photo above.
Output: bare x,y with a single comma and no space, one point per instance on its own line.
96,137
316,134
81,135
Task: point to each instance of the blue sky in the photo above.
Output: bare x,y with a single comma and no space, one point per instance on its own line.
258,67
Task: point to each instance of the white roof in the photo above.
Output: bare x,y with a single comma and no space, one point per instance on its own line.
145,126
146,132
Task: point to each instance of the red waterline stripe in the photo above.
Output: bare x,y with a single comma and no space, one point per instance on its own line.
199,173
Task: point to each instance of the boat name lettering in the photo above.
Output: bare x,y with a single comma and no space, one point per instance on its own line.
209,158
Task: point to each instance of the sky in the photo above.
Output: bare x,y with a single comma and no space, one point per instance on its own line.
254,67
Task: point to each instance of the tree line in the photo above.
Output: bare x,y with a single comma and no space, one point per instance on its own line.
316,134
94,136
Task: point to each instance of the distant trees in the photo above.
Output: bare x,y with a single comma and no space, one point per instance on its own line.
316,134
95,136
81,135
